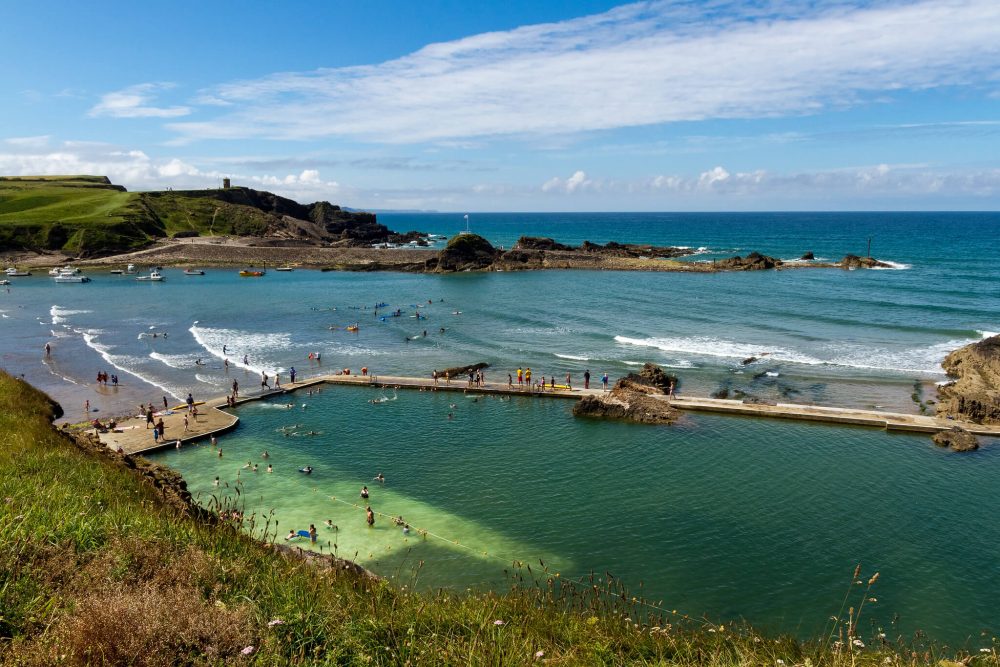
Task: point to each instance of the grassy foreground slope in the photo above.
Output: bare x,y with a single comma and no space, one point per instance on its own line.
99,566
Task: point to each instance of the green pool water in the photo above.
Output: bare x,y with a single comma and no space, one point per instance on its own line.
723,516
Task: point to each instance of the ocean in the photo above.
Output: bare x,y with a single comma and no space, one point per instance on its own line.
722,516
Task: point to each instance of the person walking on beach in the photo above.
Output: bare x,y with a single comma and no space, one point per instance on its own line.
165,405
48,349
671,392
586,379
236,389
149,416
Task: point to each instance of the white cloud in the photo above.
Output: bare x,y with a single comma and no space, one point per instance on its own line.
578,182
135,102
39,141
640,64
137,171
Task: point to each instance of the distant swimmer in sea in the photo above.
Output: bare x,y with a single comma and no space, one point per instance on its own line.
406,529
216,482
199,362
269,468
249,464
364,492
291,535
265,454
330,524
307,470
370,516
380,478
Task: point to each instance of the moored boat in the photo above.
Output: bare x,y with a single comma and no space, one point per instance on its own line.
71,278
154,276
284,268
193,272
14,273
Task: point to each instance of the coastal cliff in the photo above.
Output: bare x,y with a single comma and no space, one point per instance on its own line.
975,393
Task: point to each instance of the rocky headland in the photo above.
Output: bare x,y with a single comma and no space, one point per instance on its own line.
975,394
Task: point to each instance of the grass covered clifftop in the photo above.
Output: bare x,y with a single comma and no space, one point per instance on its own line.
90,216
103,561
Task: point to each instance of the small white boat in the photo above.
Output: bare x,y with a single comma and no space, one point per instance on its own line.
55,271
116,272
154,276
71,278
193,272
284,268
4,282
14,273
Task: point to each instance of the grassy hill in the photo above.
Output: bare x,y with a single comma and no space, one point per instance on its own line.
104,561
88,215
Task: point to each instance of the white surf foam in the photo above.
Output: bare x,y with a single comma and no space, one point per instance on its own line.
59,314
988,334
892,266
119,363
923,360
255,346
571,356
175,360
716,347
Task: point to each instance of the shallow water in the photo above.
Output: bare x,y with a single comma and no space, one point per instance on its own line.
734,517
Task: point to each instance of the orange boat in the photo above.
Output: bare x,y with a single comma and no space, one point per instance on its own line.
248,273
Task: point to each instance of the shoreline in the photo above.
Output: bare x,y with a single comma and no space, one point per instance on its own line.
222,252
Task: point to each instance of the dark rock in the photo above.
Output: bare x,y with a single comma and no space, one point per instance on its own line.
975,395
539,243
958,439
752,262
748,361
809,255
466,252
855,262
721,393
632,399
653,376
460,371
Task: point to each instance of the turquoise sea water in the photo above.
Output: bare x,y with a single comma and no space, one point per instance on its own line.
724,516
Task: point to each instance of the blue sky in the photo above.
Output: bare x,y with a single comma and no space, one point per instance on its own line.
520,106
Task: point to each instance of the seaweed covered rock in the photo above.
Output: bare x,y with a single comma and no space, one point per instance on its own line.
466,252
855,262
634,398
957,439
752,262
808,256
458,371
975,394
653,376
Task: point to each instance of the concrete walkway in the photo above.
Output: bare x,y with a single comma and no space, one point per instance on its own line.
133,437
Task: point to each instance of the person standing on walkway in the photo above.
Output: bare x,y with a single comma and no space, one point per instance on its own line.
236,389
569,383
520,377
190,402
586,379
263,381
604,380
291,373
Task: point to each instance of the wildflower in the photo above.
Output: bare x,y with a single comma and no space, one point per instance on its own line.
881,635
873,599
780,661
539,654
247,650
858,643
498,622
275,622
984,650
873,579
887,661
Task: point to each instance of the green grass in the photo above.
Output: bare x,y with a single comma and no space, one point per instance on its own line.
86,215
97,568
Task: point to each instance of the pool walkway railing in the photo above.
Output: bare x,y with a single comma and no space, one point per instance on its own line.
133,436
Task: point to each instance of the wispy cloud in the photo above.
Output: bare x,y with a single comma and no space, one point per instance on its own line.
136,102
640,64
